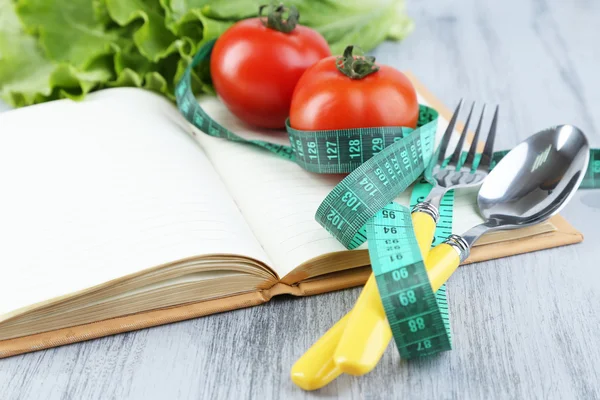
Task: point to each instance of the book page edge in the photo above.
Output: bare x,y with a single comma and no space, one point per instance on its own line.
564,235
95,330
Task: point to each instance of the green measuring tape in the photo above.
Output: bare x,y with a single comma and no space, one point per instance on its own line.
382,162
327,151
591,179
415,314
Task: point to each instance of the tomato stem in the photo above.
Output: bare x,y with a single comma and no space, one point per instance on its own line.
355,67
275,17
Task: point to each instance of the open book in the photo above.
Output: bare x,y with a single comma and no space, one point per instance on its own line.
116,214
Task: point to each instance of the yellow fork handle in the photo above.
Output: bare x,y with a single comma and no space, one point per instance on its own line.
368,333
317,367
424,227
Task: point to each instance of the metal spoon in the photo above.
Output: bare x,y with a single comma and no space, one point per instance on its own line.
529,185
533,182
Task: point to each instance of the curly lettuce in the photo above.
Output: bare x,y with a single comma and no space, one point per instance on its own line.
51,49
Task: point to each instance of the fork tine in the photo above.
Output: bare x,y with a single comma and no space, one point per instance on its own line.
486,156
449,130
471,154
458,150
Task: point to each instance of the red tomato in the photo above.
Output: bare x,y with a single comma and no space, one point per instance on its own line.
326,98
255,69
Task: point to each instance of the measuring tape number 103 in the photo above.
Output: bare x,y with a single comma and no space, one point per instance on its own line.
382,162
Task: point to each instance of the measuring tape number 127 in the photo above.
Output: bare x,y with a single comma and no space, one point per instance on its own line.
382,162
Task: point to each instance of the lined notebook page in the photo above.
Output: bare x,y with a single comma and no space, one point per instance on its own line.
108,187
279,199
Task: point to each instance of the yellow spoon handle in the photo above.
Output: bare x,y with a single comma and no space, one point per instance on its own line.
368,333
441,263
356,343
316,368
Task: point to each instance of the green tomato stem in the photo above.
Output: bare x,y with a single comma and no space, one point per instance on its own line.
275,17
355,67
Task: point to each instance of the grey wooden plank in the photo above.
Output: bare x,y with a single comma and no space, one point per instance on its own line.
524,326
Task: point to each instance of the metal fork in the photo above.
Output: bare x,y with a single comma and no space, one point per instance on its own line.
453,174
356,344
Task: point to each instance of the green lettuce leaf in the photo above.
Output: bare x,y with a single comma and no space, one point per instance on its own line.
152,38
51,49
67,30
27,76
362,23
342,22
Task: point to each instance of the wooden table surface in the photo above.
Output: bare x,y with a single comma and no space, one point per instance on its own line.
525,327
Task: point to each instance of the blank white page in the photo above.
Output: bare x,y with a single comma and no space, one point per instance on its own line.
100,189
279,199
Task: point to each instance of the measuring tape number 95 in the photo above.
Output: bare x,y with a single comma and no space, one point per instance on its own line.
382,162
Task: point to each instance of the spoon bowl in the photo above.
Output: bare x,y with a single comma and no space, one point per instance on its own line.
536,179
533,181
529,185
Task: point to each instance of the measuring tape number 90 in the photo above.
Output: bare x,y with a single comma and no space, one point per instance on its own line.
382,162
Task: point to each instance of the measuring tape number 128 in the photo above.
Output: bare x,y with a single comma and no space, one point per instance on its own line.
382,162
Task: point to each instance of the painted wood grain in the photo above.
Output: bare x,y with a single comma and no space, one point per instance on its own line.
525,327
